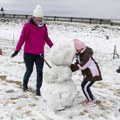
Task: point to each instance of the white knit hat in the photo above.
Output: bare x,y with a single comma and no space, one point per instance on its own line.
38,12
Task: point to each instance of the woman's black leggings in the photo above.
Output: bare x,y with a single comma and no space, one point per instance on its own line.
29,60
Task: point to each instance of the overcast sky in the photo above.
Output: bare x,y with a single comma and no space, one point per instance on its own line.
71,8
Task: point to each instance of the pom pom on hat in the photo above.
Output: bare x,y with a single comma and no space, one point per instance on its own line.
78,44
38,12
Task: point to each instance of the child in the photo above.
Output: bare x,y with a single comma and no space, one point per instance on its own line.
89,68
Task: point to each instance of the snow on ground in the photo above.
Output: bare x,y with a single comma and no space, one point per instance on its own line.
17,105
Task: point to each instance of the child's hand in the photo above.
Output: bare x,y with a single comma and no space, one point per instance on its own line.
74,67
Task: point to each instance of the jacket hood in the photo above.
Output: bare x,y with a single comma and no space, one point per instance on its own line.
87,50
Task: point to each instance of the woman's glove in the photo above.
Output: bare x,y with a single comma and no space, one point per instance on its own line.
14,54
74,67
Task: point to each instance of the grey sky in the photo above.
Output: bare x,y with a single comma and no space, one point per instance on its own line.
78,8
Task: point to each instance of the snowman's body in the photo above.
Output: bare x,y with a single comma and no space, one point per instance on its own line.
58,90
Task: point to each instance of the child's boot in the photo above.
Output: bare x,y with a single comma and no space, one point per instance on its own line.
89,104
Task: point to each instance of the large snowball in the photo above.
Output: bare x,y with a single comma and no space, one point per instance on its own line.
59,96
57,74
62,53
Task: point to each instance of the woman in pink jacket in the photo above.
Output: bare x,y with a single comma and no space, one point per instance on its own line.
34,35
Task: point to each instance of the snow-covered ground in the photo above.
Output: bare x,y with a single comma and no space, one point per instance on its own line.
17,105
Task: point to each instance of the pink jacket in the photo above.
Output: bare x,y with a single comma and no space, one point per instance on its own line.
34,38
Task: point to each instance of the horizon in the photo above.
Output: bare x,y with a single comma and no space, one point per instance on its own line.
80,8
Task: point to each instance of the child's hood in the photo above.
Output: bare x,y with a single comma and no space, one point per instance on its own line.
88,50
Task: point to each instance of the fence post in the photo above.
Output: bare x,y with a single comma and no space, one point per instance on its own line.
100,21
115,52
90,20
54,18
26,16
71,19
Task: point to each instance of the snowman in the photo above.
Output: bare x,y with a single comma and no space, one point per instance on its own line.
58,90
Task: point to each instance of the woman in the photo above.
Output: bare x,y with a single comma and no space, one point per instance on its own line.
34,35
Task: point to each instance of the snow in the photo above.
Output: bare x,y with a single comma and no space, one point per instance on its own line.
62,96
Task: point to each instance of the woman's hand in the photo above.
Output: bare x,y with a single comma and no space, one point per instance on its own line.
14,54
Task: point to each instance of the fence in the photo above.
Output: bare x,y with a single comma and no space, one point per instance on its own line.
67,19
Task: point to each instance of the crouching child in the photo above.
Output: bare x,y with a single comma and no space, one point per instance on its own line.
89,69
